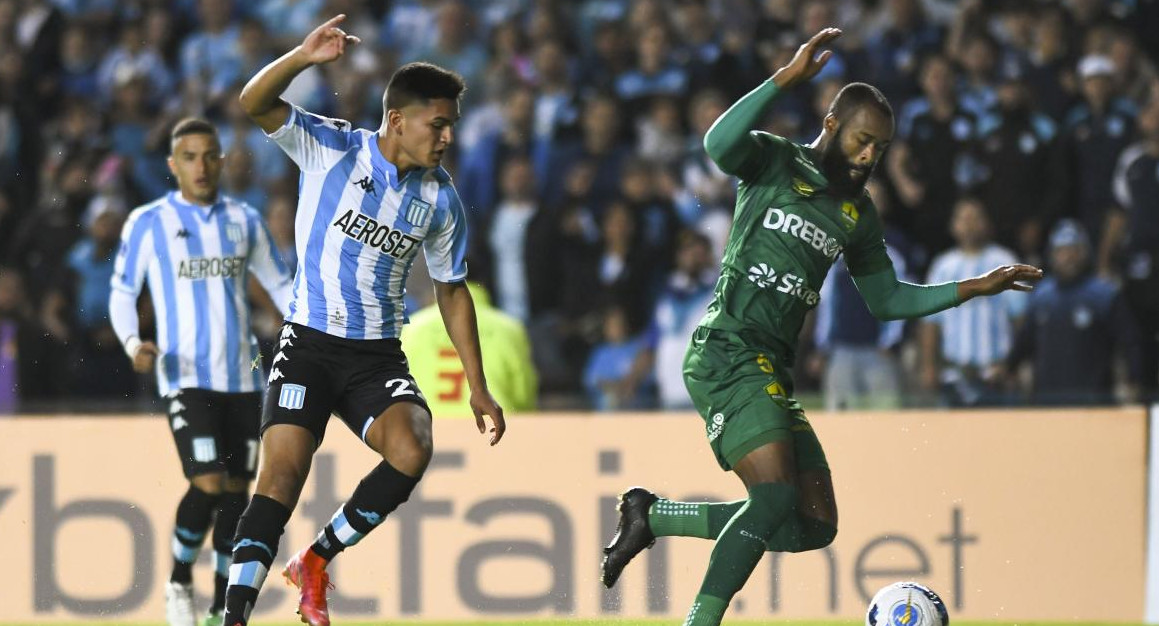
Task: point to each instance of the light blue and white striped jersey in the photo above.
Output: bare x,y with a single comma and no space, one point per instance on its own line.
197,261
979,332
359,228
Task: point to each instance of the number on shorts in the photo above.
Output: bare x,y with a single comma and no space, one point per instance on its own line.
401,387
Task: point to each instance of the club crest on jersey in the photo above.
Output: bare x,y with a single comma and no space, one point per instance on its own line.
803,188
849,215
233,232
417,211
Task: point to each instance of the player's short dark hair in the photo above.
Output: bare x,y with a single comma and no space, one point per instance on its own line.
856,95
421,81
191,126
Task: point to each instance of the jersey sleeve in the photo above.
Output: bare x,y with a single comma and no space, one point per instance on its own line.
866,253
735,147
446,244
313,142
134,254
267,264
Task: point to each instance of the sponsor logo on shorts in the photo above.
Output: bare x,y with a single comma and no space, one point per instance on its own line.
292,397
715,426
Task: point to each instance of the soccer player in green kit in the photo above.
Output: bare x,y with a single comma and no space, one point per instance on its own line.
798,207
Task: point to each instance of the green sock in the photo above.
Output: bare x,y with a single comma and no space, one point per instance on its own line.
706,610
706,520
739,548
668,518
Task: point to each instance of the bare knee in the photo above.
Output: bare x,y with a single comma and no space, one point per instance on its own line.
235,484
213,484
402,435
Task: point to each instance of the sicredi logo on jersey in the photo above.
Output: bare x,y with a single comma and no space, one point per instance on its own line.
803,229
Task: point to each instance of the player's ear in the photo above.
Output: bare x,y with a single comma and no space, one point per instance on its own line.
394,120
830,124
172,165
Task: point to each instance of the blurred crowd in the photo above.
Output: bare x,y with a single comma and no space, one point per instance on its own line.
1027,130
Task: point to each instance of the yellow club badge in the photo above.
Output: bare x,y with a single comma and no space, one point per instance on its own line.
849,215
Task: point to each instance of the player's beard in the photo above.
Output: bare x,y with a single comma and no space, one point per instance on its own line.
838,170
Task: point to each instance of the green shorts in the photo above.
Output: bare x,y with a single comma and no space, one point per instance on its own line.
744,395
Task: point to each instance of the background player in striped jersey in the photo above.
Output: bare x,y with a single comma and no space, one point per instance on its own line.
367,201
196,248
798,208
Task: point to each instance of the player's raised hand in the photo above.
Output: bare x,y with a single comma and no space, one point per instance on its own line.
808,60
327,42
145,357
483,404
1007,277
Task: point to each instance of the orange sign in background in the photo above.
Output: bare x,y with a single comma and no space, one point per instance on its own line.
1009,515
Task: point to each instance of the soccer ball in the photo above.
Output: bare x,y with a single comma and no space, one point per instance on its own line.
906,604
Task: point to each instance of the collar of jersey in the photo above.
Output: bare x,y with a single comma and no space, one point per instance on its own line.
388,168
204,211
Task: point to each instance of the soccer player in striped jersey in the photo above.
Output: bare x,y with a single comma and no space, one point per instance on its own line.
368,201
798,208
196,248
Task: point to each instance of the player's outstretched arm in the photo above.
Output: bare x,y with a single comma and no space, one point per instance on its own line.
890,299
261,97
728,141
458,311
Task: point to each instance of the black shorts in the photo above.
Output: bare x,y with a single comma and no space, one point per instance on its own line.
314,374
216,431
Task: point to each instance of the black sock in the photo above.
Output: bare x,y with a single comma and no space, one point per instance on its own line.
379,493
255,545
193,516
229,510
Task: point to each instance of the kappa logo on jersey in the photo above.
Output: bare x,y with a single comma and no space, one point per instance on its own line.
292,397
367,185
280,356
368,231
183,234
764,276
849,215
337,124
176,407
275,375
417,212
801,228
233,232
179,423
764,364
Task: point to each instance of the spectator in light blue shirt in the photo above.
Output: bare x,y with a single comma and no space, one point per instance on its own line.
618,369
963,346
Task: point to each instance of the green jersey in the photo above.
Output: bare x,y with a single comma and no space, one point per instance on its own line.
788,229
